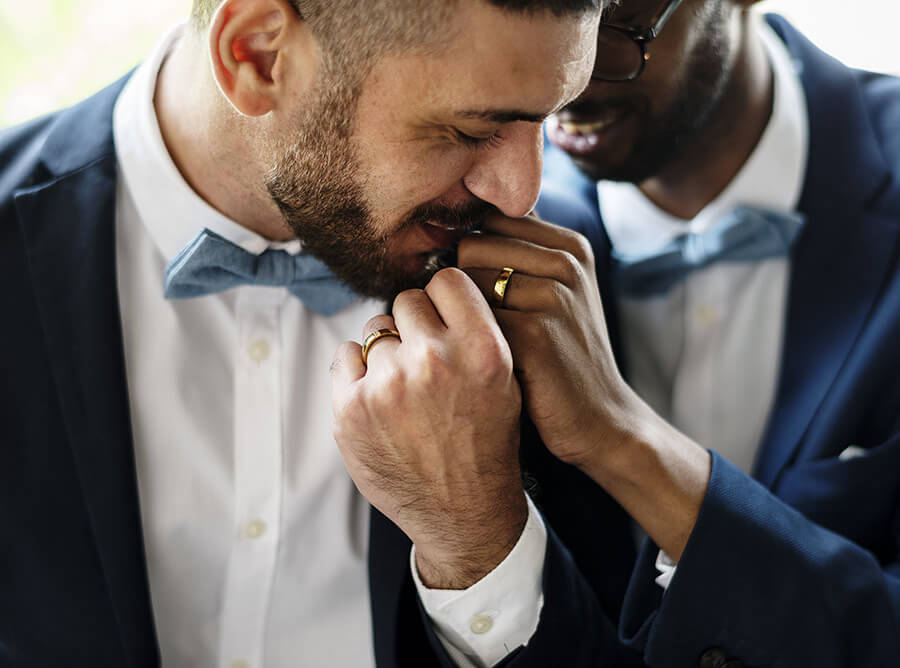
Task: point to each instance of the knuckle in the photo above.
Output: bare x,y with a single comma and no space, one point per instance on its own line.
429,357
392,390
431,366
568,268
337,362
378,322
490,355
344,351
550,294
408,297
581,248
450,277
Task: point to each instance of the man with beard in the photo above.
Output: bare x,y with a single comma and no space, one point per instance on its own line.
182,254
741,191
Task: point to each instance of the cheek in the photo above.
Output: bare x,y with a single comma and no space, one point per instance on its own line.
404,179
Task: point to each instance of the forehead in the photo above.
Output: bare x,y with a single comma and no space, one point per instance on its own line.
493,59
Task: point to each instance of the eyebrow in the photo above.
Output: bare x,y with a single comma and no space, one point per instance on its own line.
501,115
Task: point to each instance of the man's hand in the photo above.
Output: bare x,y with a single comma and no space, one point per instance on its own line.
587,415
552,317
429,431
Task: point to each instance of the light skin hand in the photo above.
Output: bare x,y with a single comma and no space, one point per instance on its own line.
429,431
586,413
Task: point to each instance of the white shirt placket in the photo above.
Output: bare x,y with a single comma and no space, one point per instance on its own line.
258,479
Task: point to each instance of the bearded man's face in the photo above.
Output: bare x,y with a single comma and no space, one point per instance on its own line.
317,183
381,182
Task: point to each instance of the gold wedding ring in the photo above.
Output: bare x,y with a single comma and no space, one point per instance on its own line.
500,285
373,337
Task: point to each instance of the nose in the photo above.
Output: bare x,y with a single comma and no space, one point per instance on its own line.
509,175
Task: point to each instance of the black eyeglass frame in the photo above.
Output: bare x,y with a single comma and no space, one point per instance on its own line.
642,36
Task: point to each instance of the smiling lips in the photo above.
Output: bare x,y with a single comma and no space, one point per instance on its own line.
581,137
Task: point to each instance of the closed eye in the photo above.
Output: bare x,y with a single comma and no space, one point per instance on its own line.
478,142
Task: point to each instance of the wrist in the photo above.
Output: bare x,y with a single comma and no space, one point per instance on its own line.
659,476
462,558
624,454
608,445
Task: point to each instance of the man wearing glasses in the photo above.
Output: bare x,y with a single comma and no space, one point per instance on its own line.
736,391
722,358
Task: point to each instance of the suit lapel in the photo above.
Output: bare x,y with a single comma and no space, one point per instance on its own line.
398,629
388,567
840,260
68,229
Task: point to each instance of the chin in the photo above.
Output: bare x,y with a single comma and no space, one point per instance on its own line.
594,171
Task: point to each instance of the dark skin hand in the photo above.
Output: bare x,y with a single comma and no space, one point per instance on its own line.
587,415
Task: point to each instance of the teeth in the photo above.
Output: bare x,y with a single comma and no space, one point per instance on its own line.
443,227
585,129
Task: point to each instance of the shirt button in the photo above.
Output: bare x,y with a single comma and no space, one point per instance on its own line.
258,351
255,529
481,624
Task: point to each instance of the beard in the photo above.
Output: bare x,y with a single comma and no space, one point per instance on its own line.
317,183
665,136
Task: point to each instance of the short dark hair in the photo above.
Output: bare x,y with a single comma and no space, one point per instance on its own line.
204,9
376,27
354,34
557,7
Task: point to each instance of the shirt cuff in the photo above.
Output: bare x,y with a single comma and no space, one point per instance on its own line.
666,568
480,625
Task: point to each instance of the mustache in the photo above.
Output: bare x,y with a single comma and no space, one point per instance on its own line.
467,217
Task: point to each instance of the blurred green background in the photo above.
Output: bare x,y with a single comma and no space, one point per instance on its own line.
56,52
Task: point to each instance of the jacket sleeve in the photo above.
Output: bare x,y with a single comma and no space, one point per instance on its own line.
762,584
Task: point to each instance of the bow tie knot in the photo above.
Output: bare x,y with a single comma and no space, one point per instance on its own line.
211,263
745,234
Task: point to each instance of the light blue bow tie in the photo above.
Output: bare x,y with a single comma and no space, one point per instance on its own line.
211,264
744,235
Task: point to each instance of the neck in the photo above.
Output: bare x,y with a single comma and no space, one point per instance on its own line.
686,185
210,143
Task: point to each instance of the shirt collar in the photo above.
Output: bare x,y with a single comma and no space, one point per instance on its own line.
772,177
169,208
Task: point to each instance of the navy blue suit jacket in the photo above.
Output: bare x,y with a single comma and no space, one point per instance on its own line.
801,565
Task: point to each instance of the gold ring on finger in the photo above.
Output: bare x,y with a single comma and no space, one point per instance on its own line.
501,284
373,337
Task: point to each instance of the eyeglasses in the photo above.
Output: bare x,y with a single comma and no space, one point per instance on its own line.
622,50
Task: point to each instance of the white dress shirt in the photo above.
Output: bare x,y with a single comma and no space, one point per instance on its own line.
256,537
706,354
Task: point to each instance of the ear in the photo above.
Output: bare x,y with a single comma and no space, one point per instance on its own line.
259,51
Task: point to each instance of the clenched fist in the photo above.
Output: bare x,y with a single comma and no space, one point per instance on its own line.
429,429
